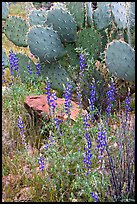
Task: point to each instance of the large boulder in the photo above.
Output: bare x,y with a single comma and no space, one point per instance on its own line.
37,106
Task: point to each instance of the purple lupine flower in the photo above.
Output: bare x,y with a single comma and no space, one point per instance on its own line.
41,163
88,155
94,196
51,98
57,122
20,124
68,98
29,69
13,60
101,142
48,93
82,64
38,68
110,96
53,104
127,103
92,98
21,128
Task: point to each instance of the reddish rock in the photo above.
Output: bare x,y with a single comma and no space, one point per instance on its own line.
39,106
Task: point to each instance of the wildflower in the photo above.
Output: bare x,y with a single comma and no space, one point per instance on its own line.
13,60
51,98
94,196
68,98
41,163
38,68
101,142
110,97
127,103
53,104
29,69
48,91
82,64
20,125
57,122
21,128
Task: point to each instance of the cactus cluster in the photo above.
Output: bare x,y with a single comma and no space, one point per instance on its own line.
52,31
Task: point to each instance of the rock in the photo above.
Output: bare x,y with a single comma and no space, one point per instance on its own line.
37,106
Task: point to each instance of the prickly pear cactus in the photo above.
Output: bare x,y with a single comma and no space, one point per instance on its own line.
119,11
5,10
16,30
5,59
77,10
45,44
90,39
102,17
120,60
57,75
37,17
62,22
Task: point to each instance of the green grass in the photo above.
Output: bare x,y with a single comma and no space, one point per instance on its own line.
63,178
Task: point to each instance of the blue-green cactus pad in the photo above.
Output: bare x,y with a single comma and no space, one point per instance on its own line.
16,30
57,75
77,10
120,60
5,58
119,11
23,62
64,23
45,44
5,10
102,17
90,39
37,17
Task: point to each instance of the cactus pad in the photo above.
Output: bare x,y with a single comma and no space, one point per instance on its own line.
16,30
37,17
62,22
57,75
45,44
120,60
119,11
5,58
23,62
90,39
77,10
102,17
5,10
